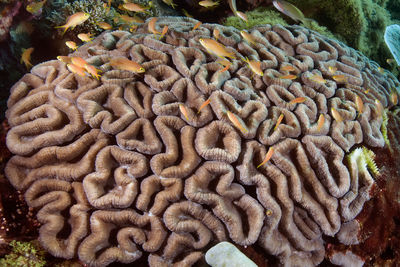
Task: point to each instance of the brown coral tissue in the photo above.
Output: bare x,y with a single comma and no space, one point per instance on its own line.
135,167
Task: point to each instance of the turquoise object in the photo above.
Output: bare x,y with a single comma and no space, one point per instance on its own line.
392,40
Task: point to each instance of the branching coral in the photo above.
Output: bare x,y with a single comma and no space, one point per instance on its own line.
155,164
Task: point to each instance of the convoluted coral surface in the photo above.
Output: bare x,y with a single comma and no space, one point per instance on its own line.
116,171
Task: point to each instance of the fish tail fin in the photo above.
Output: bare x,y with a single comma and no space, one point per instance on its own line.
308,22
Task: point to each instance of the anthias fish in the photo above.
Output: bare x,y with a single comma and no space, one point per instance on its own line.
74,20
26,57
126,64
215,48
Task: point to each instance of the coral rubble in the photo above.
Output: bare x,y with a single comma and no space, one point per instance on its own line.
116,171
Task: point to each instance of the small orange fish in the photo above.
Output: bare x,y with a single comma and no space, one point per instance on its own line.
320,122
215,48
164,31
216,33
64,59
336,115
359,105
298,100
71,44
254,65
205,103
74,20
367,91
184,111
26,57
78,61
224,62
93,71
332,70
126,64
278,121
379,107
104,25
267,156
248,37
77,70
381,70
134,7
317,78
288,68
340,78
197,25
394,98
242,16
129,19
288,76
85,37
208,3
152,26
232,117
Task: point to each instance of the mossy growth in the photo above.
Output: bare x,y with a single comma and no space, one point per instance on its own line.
264,15
24,254
369,157
258,16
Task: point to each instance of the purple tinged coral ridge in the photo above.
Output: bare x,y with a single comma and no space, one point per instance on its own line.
114,168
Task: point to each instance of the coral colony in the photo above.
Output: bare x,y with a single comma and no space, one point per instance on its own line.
168,149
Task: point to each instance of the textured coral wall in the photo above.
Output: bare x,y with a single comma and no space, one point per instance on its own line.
117,172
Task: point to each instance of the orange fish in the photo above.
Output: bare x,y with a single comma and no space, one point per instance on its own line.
278,121
267,156
208,3
78,61
336,115
126,64
394,98
196,26
92,71
26,57
152,26
254,65
216,34
288,76
359,105
74,20
64,59
205,103
35,8
129,19
288,68
248,37
85,37
320,122
134,7
224,62
184,111
104,25
232,117
297,100
76,69
332,70
317,78
340,78
215,48
71,44
381,70
242,16
366,91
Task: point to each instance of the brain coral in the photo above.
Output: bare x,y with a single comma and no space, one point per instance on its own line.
117,172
